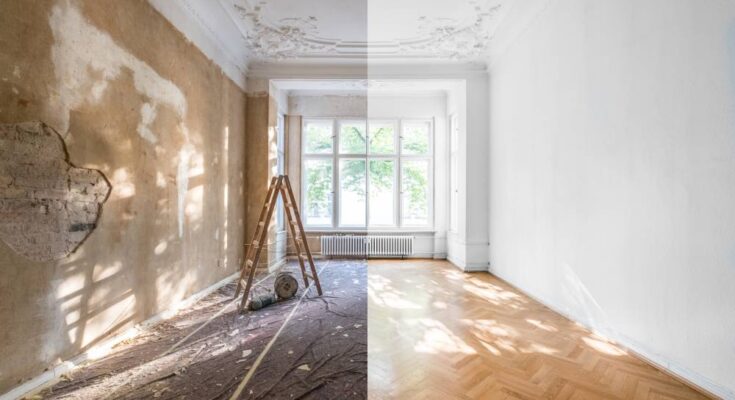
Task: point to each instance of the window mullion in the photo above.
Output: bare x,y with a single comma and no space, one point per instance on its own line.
335,175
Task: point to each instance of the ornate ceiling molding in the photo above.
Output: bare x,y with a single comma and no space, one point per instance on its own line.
299,37
288,38
449,38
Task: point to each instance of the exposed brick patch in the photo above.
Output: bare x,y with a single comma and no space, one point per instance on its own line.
47,206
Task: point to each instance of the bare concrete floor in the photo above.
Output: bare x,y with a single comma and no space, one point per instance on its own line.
206,351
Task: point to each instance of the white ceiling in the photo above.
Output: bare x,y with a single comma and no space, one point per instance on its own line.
404,29
238,33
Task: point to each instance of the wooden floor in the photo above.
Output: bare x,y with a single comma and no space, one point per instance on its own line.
437,333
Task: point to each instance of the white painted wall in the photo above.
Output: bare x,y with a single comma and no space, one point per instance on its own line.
468,247
612,174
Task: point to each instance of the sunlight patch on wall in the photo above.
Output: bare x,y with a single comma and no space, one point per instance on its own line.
182,185
87,59
122,186
103,272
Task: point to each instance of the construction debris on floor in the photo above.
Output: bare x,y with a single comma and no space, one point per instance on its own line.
206,352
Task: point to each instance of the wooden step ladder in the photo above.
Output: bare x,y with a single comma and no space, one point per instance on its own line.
279,184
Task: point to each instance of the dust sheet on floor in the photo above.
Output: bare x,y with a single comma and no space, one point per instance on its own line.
205,352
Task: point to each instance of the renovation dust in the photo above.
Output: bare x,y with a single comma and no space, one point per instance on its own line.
205,352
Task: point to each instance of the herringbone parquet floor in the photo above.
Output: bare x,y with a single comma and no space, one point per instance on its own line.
437,333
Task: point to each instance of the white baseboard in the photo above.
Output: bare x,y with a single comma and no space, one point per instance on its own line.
52,376
657,360
468,267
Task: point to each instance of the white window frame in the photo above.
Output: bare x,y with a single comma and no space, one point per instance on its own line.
397,158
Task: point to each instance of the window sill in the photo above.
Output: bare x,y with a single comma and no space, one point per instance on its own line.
370,231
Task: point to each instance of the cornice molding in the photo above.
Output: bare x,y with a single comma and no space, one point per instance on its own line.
188,20
299,37
374,70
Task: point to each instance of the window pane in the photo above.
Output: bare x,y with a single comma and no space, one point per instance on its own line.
318,137
318,182
352,137
382,138
415,188
352,193
416,138
382,192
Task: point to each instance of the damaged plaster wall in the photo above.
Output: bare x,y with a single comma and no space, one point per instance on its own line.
260,163
47,206
133,99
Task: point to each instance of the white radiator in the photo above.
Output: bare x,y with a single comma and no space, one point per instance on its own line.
365,246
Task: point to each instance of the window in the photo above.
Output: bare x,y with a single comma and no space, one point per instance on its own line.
453,173
381,169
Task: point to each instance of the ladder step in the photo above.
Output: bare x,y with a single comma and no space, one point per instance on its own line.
280,186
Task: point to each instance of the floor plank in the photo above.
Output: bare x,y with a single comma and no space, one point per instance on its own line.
437,333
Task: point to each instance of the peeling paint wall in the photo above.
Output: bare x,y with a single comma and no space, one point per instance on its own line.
132,98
